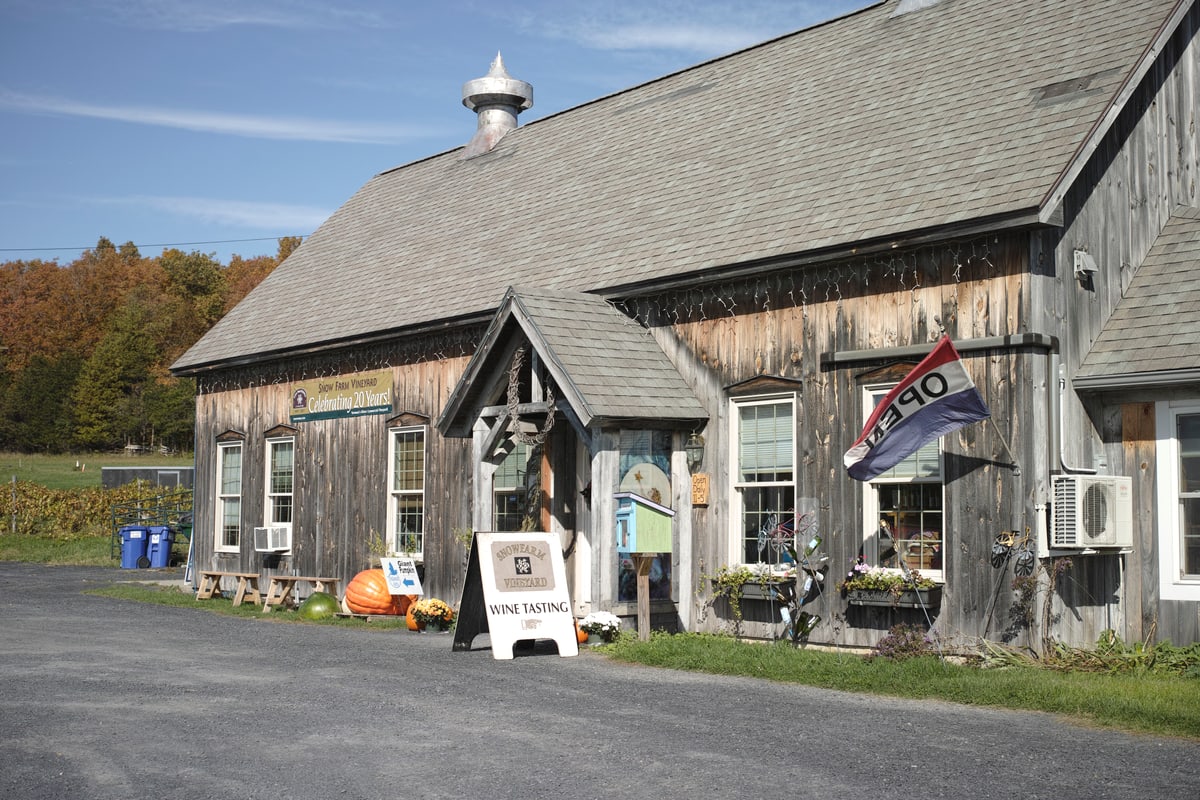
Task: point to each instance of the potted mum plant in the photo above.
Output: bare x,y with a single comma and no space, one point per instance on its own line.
603,624
865,585
433,614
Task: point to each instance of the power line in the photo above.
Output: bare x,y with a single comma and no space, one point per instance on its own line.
164,244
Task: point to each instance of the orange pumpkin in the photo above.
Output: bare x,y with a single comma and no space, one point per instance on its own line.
414,624
368,594
404,602
580,633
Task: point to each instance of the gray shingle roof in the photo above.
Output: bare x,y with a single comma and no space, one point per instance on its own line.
595,354
862,128
1151,338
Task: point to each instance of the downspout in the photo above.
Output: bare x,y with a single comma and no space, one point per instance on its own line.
1058,398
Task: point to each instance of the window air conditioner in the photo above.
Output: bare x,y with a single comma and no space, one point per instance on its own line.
275,539
1092,511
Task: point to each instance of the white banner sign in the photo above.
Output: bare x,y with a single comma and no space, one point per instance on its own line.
402,577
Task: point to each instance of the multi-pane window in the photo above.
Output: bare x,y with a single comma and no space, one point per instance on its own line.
1177,437
765,483
1187,427
508,489
904,508
280,480
229,496
406,492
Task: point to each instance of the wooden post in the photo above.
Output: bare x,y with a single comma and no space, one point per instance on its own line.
643,594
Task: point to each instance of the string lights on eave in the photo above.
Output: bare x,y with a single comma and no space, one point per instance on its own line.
428,348
800,287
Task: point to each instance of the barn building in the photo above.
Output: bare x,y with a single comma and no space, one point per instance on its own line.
697,289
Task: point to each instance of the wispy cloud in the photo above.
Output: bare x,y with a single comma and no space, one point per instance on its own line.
238,213
255,127
189,16
675,25
685,38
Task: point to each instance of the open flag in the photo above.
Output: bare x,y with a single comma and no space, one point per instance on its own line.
937,397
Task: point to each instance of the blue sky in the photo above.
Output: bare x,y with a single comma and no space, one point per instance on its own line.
206,124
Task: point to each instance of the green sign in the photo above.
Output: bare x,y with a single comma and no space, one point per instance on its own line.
355,395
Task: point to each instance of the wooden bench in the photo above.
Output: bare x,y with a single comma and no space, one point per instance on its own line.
279,590
247,586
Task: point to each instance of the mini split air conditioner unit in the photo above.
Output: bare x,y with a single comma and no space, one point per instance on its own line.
1092,511
275,539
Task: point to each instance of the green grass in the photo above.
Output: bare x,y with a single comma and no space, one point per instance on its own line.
60,471
173,596
1157,704
83,551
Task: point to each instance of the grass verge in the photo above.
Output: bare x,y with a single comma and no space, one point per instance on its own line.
81,551
173,596
1157,704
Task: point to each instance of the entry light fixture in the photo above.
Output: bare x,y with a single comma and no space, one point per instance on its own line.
694,447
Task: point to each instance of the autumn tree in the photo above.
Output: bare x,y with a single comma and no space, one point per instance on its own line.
287,245
85,348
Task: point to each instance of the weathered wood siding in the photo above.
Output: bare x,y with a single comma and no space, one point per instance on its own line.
721,334
341,465
780,325
1146,166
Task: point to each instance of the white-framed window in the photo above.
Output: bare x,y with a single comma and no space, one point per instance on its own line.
764,483
509,491
229,497
281,458
406,491
903,512
1178,468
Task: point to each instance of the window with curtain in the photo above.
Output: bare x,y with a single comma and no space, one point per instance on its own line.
903,507
508,489
765,482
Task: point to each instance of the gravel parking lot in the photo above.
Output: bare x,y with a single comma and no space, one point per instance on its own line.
102,698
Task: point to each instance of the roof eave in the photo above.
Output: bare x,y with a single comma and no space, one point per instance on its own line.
1003,221
1010,220
1133,380
261,357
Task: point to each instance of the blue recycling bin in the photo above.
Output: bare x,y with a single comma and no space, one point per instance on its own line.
134,540
158,545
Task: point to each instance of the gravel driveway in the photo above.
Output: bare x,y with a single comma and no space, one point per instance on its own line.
103,698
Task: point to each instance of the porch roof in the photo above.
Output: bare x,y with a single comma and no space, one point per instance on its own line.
1153,336
607,367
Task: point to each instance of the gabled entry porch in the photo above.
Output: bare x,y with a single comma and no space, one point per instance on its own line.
569,403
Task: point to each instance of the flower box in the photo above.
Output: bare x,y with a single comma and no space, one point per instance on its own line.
909,598
771,590
755,589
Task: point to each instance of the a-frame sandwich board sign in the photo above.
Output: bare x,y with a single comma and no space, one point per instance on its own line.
516,590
